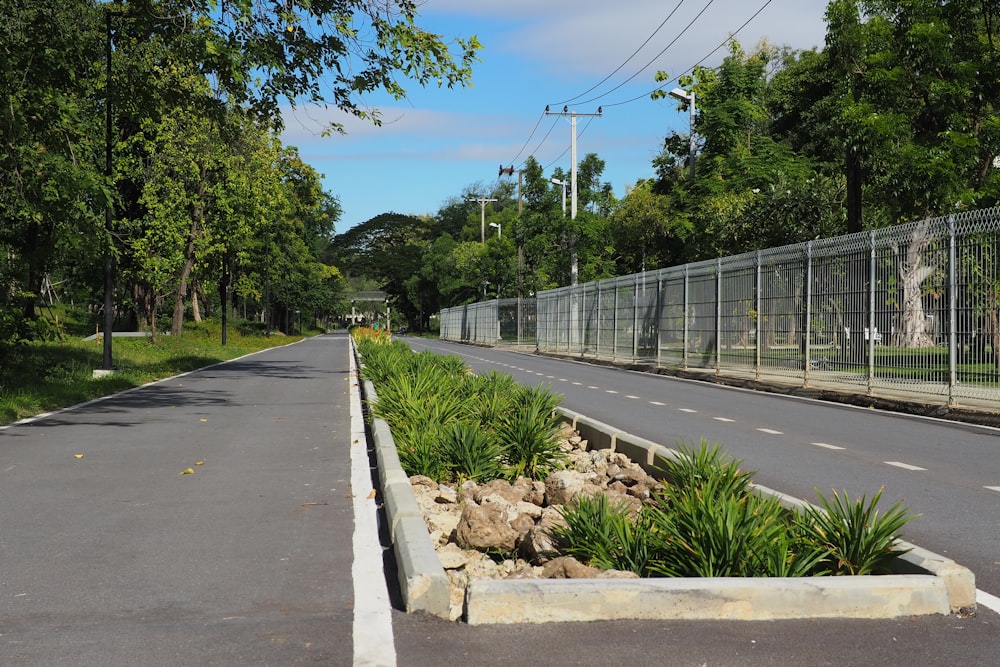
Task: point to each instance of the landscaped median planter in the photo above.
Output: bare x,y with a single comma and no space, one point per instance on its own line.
476,588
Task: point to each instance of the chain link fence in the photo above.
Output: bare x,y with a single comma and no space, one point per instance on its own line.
910,310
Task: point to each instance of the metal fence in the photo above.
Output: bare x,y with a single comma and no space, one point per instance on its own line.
496,322
908,310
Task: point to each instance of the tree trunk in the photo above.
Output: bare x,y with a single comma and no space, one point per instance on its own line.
177,324
913,272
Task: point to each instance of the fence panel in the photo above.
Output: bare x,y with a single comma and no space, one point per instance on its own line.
911,310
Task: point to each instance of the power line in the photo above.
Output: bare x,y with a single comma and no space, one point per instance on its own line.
697,64
634,54
537,123
664,50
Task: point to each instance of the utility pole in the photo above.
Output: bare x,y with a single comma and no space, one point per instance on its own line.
573,269
483,201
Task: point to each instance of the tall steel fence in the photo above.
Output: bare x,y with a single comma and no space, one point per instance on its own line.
496,322
909,310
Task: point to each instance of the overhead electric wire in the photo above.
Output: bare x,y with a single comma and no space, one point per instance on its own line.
537,123
691,69
627,60
662,51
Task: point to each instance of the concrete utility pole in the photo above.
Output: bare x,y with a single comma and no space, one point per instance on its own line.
573,269
483,201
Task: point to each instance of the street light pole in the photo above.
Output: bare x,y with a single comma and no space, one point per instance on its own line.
497,225
109,269
685,96
556,181
483,201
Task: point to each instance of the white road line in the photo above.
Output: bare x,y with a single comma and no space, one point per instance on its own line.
656,403
826,446
687,410
770,431
723,419
590,386
610,391
989,601
372,629
563,380
905,466
992,488
631,396
578,384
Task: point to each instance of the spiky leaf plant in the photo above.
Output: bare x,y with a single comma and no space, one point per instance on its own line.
857,538
604,535
468,452
529,434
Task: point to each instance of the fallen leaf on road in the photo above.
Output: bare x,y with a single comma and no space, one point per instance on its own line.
203,420
78,456
189,471
372,494
199,463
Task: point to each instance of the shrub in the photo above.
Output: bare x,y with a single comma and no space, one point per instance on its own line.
604,535
468,452
854,536
528,434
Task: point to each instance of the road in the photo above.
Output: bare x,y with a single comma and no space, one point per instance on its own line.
110,556
947,472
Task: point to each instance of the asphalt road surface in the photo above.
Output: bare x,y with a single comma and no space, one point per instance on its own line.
260,556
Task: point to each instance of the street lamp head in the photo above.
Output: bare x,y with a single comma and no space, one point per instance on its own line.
556,181
680,94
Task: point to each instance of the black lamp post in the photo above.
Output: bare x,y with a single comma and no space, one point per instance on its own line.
109,269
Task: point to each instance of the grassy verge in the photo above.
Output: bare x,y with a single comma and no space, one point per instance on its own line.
39,377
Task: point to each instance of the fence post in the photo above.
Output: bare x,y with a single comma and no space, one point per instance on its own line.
718,316
687,304
597,342
759,318
659,318
953,311
871,313
807,329
635,320
614,330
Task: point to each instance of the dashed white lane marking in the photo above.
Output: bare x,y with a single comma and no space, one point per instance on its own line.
770,431
563,380
590,386
991,602
610,391
578,384
688,410
826,446
904,466
631,396
992,488
723,419
656,403
372,627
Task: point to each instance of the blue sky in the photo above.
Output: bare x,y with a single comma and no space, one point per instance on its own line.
440,143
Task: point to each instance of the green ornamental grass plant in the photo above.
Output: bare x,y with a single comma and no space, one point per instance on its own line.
703,521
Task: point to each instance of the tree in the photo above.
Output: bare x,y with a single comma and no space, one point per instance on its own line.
50,174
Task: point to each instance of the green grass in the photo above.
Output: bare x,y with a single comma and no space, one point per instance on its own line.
40,377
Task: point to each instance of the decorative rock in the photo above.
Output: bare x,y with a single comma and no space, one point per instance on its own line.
568,567
485,527
446,495
562,486
451,557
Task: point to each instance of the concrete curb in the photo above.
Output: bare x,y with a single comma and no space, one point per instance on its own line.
423,584
926,584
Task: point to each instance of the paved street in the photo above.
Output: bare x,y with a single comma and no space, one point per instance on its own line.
255,557
115,558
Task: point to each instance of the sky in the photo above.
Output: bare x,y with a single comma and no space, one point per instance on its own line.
439,143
